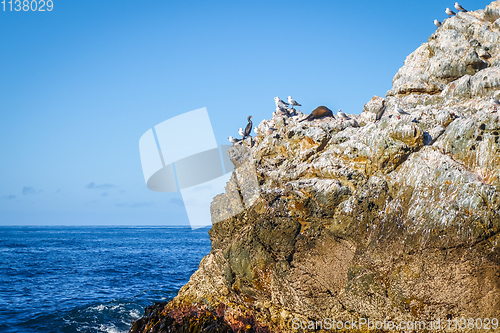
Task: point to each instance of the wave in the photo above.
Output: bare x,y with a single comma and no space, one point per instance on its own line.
115,316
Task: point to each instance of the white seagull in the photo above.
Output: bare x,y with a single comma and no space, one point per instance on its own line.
233,140
437,23
343,116
281,109
241,132
279,102
495,102
292,102
400,111
459,8
266,129
449,12
270,130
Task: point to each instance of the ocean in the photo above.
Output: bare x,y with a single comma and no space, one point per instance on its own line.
91,279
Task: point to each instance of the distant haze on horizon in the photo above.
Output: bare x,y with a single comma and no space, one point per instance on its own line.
80,85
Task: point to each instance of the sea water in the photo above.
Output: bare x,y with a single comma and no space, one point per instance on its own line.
91,279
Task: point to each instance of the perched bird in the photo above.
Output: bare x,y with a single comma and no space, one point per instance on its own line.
495,102
281,110
319,112
380,112
266,129
280,105
342,116
233,140
241,132
459,8
400,111
437,23
293,102
279,102
449,12
248,129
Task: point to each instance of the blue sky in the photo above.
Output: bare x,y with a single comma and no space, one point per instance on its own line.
79,85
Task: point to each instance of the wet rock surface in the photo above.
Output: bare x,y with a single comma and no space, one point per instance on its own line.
395,220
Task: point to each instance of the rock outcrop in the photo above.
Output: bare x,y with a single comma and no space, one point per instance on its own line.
394,220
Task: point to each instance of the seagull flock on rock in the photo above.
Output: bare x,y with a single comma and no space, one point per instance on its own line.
319,113
322,111
281,109
450,13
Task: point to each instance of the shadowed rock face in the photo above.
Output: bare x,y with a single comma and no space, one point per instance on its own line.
391,220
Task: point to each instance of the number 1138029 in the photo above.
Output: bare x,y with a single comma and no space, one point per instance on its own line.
27,5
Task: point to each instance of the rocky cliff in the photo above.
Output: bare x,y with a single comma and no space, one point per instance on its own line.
395,220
